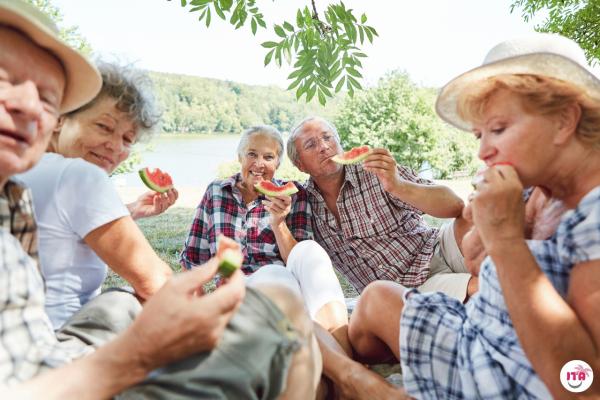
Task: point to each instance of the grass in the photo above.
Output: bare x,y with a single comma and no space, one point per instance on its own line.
167,234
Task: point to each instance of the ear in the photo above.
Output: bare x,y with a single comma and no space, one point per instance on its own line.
567,123
53,144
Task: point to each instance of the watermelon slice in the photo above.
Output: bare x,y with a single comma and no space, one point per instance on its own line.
231,256
270,189
352,156
156,179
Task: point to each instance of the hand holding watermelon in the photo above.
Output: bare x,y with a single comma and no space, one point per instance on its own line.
381,163
152,203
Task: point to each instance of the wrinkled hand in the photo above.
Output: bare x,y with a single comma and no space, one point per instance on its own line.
279,207
496,207
383,165
177,322
473,251
152,203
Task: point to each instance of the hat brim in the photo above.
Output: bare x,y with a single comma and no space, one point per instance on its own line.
83,81
542,64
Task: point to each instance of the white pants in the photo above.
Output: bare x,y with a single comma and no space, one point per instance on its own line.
309,273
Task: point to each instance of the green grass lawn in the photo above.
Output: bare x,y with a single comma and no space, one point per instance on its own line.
167,233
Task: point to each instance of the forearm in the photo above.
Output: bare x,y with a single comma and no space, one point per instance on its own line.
536,309
101,375
284,239
435,200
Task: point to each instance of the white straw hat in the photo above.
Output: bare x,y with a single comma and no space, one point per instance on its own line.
543,54
83,82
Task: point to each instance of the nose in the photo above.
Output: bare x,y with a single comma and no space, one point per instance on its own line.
487,150
115,143
24,100
323,145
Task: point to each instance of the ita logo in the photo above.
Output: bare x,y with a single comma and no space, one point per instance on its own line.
576,376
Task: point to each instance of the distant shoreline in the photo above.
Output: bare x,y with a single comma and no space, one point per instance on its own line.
196,135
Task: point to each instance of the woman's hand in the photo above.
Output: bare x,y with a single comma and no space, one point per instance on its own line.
383,165
279,207
496,208
152,203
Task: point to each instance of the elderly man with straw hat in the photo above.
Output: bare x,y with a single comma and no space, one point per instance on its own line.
233,343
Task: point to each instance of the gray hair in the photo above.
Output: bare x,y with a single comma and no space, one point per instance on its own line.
261,130
292,151
133,91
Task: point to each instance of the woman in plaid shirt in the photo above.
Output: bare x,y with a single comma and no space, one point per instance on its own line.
275,233
534,106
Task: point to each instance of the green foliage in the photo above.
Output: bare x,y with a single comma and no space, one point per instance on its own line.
69,34
286,171
193,104
325,53
575,19
399,116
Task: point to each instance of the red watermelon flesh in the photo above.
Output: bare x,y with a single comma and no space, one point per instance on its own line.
156,180
352,156
270,189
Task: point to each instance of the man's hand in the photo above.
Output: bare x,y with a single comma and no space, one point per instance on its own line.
152,203
383,165
279,207
176,322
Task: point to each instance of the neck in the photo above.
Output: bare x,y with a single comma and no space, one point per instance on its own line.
575,174
331,185
3,181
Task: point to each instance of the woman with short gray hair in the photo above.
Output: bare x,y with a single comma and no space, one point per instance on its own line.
275,233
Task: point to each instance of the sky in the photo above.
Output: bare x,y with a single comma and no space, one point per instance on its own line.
432,40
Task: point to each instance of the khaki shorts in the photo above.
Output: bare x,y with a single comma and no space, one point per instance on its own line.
251,360
447,270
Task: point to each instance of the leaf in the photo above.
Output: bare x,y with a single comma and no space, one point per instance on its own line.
353,72
353,82
322,98
311,93
363,18
299,19
183,3
361,34
261,22
226,4
218,10
280,32
268,45
253,26
288,26
300,91
207,17
369,34
294,84
268,57
340,85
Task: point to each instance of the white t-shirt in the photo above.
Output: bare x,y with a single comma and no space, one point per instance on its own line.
71,198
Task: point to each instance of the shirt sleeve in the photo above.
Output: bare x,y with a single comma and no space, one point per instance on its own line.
299,219
87,199
578,235
196,250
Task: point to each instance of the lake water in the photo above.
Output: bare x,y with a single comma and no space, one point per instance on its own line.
189,161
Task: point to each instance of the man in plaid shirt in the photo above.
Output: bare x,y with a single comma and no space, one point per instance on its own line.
369,217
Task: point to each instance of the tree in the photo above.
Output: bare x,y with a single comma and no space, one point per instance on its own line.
575,19
399,116
324,50
69,34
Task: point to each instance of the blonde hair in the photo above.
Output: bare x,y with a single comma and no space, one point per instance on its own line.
539,95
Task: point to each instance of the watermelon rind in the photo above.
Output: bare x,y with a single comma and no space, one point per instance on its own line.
151,185
230,261
287,192
339,158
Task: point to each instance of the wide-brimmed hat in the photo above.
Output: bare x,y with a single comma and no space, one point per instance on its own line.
83,82
542,54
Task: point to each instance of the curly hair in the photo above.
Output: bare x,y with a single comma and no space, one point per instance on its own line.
133,91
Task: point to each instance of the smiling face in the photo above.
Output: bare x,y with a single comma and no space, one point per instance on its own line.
259,160
315,146
100,134
32,83
509,134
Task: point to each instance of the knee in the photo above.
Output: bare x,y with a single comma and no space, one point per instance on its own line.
376,297
309,249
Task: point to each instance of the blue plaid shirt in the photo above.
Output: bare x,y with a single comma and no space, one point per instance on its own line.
453,351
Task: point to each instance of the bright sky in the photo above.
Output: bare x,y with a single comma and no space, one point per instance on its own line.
433,40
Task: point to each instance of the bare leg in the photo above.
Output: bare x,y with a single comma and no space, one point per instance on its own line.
306,363
333,317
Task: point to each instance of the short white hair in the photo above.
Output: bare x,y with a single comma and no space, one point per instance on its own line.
265,130
292,151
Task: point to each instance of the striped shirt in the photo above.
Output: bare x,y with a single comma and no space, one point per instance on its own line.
223,211
379,237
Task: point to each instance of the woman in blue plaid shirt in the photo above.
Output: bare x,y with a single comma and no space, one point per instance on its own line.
534,105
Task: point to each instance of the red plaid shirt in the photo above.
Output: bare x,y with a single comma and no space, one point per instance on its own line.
380,237
222,211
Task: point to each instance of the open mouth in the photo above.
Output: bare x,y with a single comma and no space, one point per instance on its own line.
103,159
256,174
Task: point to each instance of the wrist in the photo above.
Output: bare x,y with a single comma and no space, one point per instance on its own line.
505,247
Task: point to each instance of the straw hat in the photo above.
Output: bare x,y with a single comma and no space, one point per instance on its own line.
541,54
83,82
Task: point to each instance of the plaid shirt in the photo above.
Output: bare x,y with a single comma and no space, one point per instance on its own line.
222,211
379,237
28,344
